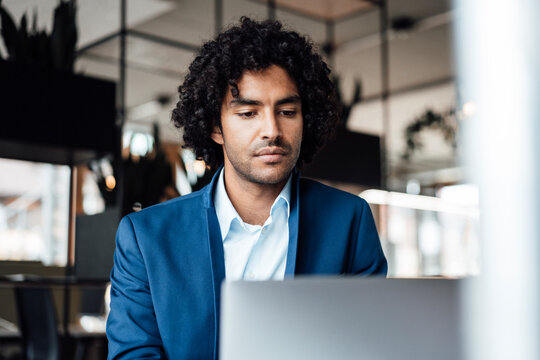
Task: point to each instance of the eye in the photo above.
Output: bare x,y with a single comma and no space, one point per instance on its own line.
288,113
247,114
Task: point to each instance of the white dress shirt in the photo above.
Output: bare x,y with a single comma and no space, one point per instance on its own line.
254,252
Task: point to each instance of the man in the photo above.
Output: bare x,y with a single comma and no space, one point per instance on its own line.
258,101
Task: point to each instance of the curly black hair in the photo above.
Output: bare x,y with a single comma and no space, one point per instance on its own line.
254,45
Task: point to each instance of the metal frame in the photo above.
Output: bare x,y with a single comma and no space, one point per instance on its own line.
272,8
385,86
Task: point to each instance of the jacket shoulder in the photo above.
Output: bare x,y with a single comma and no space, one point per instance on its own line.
310,188
193,202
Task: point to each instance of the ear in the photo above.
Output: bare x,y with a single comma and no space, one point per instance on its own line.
217,136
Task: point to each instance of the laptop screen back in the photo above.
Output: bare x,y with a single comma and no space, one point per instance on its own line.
341,318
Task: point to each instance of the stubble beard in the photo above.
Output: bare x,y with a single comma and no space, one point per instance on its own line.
245,169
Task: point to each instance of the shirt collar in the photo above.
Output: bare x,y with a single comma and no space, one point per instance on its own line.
226,212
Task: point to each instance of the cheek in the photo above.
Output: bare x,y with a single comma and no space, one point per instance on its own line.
238,137
299,131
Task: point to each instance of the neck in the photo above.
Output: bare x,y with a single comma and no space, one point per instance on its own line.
252,201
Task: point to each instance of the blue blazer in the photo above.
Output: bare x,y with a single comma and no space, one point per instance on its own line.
169,265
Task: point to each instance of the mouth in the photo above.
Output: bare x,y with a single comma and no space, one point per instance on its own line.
271,154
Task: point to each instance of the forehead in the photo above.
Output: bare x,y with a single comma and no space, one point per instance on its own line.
271,82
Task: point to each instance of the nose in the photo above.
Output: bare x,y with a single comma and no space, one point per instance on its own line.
270,127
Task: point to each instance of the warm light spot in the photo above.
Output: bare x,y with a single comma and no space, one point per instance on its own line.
199,166
469,109
110,182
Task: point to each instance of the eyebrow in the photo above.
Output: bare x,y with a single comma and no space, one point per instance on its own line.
289,100
244,101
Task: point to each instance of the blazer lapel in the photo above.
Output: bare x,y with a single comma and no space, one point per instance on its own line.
293,226
215,242
217,258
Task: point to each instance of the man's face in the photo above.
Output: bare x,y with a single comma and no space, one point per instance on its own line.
261,129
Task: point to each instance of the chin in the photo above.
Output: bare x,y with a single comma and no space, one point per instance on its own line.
270,175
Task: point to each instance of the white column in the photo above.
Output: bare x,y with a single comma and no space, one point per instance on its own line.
498,47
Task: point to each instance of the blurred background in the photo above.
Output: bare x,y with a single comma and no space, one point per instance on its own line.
88,88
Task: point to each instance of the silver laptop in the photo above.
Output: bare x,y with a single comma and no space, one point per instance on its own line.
341,318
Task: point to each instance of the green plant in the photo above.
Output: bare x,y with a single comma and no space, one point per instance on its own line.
55,50
445,122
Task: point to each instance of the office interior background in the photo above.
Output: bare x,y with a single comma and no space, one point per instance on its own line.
402,144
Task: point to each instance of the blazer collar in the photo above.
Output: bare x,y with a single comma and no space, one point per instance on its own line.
214,232
217,257
294,218
208,190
